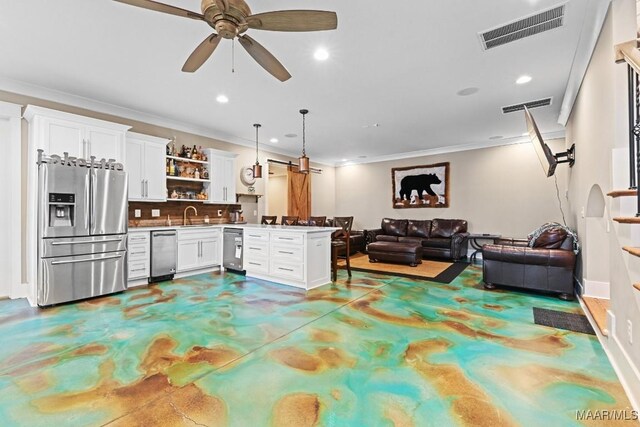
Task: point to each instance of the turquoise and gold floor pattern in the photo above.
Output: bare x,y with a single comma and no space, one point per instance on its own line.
371,351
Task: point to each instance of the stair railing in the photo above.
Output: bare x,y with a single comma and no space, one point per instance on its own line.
629,53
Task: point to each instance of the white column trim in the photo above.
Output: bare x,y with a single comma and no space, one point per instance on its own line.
13,113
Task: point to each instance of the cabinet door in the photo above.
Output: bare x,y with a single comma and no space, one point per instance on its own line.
62,136
155,172
135,169
230,180
217,188
188,255
210,252
105,143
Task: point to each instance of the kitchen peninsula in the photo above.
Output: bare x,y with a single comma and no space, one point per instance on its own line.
289,255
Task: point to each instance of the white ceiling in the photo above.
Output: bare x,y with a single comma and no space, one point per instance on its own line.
398,64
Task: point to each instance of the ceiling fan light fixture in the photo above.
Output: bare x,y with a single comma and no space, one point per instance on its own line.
257,168
303,161
321,54
222,99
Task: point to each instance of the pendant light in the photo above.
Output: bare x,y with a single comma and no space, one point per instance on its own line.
257,168
303,161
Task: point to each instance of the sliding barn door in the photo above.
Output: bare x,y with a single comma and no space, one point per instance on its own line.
299,186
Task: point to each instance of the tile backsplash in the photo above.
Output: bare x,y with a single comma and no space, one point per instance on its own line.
175,211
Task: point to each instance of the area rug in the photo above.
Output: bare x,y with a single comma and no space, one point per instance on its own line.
562,320
434,271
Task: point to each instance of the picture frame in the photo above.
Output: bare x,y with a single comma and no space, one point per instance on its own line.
423,186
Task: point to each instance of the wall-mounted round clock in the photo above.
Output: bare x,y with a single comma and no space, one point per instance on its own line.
246,176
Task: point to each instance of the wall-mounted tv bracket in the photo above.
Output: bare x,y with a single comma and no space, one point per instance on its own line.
568,156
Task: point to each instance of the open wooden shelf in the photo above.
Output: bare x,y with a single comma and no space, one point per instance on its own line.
598,309
179,178
627,220
633,251
184,159
623,193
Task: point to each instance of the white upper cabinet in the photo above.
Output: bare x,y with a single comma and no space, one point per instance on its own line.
146,167
57,132
222,167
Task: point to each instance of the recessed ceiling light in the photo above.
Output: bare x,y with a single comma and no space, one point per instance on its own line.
468,91
321,54
222,99
362,157
344,160
523,79
274,140
496,137
291,135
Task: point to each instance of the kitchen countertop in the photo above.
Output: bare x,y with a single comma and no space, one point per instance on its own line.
284,228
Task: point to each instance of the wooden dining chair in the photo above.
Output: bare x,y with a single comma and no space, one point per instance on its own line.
268,220
290,220
317,221
341,239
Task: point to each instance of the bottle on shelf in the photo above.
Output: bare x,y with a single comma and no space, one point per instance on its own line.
168,171
172,167
194,153
196,174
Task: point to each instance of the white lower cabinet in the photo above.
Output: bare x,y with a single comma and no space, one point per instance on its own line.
198,249
300,259
139,255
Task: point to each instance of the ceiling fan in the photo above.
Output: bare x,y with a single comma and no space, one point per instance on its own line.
232,18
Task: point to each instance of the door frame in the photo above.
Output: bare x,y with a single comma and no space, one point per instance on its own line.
13,113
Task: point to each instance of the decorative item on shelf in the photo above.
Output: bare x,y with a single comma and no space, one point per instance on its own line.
257,168
303,161
203,156
205,173
183,151
174,194
173,146
196,174
251,190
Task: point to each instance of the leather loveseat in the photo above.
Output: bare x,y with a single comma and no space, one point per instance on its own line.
439,238
547,266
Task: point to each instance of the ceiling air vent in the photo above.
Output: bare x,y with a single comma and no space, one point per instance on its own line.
529,26
529,105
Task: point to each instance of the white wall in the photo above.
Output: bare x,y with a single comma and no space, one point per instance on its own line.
5,249
497,190
277,193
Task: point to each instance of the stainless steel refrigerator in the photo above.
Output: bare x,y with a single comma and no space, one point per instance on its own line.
82,232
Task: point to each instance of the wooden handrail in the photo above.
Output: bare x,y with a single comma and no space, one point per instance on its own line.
628,52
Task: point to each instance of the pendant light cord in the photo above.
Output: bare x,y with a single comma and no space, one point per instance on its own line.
304,141
257,126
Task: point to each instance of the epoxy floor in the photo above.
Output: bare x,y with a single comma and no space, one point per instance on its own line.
374,351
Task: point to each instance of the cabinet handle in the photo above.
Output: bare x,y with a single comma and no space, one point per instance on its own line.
254,263
137,253
142,191
138,269
255,249
146,189
285,252
285,269
200,249
285,238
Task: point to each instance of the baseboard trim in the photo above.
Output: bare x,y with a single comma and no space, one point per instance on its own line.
595,289
622,364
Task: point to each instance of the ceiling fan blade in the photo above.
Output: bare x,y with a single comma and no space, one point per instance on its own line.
264,58
161,7
223,5
202,53
294,20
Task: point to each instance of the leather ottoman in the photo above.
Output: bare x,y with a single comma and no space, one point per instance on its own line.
402,253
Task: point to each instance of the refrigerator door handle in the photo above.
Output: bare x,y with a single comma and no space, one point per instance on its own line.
142,190
84,242
146,188
75,261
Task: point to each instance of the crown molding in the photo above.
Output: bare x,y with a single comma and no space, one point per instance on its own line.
10,110
52,95
451,149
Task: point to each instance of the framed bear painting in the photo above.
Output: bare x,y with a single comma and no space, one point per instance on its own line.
421,186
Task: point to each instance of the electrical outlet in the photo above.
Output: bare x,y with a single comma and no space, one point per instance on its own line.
155,213
219,212
137,213
582,212
255,212
630,331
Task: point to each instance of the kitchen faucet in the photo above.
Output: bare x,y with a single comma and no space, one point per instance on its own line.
184,217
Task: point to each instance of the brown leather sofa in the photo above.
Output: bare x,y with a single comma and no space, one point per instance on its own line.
439,238
547,266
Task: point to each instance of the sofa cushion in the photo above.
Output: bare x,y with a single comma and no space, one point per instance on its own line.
551,239
417,228
415,240
394,227
385,238
437,242
447,227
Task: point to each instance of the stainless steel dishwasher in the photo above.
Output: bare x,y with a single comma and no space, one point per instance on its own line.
163,255
232,250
